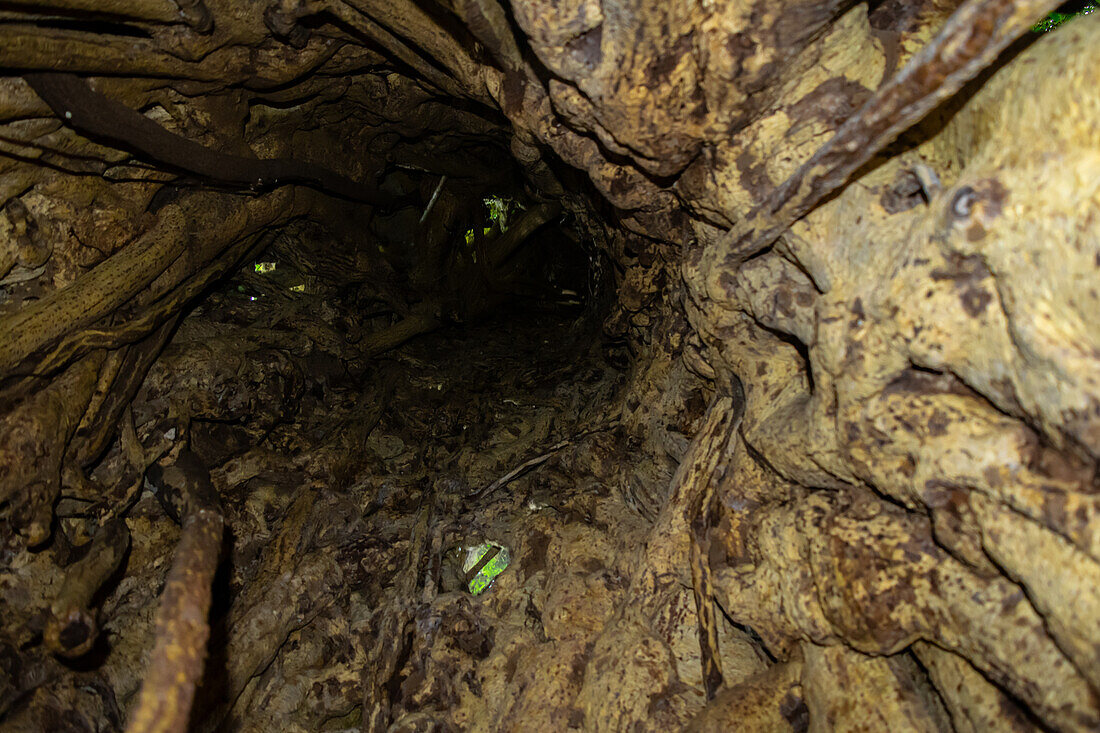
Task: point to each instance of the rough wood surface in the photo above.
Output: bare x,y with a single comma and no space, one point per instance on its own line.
879,218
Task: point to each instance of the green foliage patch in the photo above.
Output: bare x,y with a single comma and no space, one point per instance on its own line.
1063,15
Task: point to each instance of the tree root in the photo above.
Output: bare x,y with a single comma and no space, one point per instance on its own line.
71,630
175,666
89,53
102,118
721,428
117,280
116,389
538,460
970,41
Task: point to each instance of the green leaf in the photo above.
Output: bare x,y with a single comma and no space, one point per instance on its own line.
1056,19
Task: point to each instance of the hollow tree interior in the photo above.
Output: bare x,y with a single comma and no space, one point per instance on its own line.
538,365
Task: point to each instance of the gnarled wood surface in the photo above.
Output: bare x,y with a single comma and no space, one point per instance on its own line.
882,219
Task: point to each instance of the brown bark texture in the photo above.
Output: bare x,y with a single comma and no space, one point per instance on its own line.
776,367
